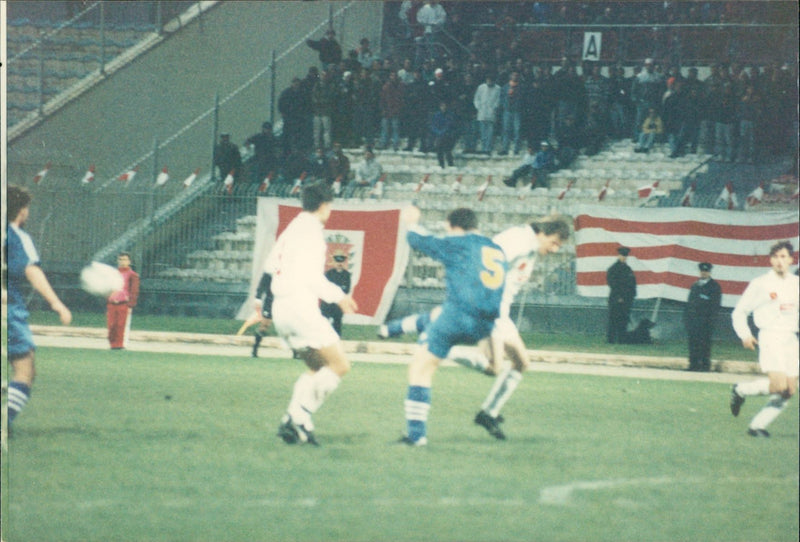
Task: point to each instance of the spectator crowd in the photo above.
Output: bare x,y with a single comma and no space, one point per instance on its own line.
497,99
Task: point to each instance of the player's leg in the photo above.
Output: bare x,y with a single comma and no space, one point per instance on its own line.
414,323
778,355
21,384
21,354
475,358
259,334
315,341
505,384
418,399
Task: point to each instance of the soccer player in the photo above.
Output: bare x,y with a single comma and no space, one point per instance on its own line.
23,264
297,265
475,269
521,245
772,299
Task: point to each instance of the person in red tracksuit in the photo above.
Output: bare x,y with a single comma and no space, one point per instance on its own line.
121,303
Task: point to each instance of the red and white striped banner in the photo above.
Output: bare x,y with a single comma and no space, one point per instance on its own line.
667,244
369,233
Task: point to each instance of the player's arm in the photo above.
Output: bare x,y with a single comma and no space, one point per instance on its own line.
745,306
39,281
133,289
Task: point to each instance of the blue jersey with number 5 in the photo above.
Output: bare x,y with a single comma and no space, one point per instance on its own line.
475,270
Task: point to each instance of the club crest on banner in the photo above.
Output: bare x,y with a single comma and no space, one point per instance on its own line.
349,244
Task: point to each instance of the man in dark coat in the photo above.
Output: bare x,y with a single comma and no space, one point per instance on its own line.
330,52
621,280
701,309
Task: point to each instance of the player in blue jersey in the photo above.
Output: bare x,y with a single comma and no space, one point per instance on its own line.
522,246
475,270
23,265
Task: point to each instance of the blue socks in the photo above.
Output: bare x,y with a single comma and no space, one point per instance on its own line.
417,405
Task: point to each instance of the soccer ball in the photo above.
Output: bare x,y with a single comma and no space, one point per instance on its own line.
100,279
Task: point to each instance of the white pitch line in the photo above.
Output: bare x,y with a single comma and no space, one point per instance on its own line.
561,495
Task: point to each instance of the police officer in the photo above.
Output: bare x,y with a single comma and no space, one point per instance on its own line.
622,282
264,307
340,276
701,309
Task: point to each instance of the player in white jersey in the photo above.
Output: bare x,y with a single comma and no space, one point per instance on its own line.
297,265
521,245
772,299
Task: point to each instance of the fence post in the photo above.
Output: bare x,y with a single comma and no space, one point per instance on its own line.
214,127
102,38
41,76
159,16
272,89
151,208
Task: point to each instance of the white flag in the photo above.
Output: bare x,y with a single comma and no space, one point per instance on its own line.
42,174
755,197
187,182
89,176
128,175
163,177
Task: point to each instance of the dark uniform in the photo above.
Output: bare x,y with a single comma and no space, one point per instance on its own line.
264,293
701,309
340,278
621,280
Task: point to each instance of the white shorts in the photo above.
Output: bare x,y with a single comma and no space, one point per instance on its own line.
504,328
302,327
778,352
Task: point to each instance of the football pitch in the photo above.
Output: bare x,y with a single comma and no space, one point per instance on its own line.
139,446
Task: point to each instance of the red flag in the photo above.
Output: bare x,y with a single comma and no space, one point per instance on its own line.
755,197
265,183
163,177
89,176
39,177
603,191
564,192
688,197
129,175
228,182
190,179
647,191
667,243
484,187
422,182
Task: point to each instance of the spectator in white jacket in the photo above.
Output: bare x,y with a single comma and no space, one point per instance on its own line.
432,16
487,101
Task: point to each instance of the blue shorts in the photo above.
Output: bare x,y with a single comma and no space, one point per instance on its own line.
20,338
454,327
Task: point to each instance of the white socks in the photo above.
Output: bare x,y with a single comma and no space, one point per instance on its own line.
310,392
504,386
769,412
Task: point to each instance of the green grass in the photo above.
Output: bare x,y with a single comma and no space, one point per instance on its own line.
130,446
722,349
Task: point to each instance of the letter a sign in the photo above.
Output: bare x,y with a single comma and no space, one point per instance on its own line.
592,42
